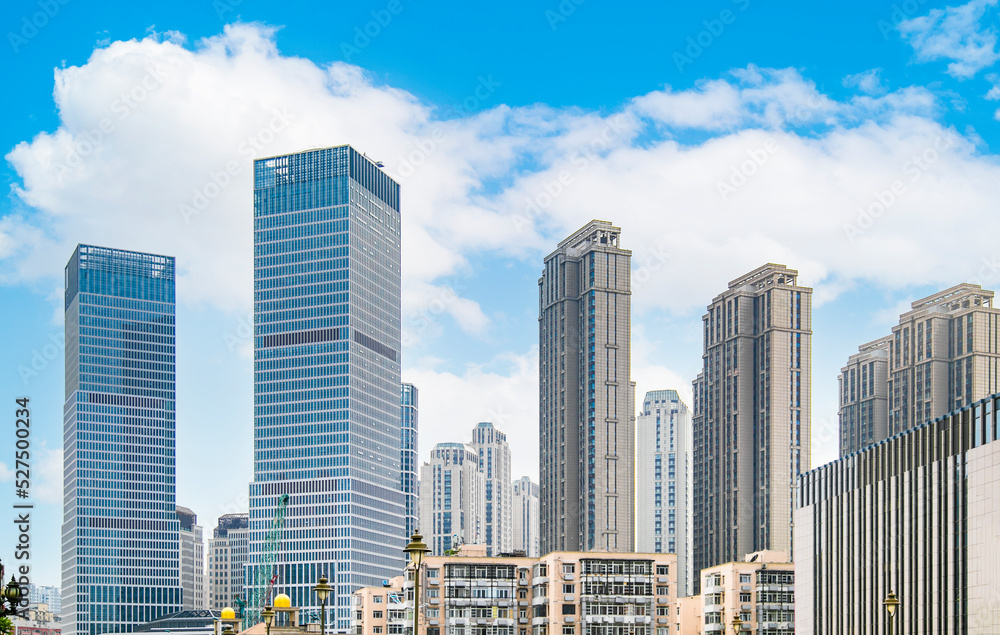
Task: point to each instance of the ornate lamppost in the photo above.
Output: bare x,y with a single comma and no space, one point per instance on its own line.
891,603
268,616
417,549
322,590
10,596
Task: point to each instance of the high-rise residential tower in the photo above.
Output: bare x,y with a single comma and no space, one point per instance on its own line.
451,498
327,424
751,416
586,395
227,554
120,543
863,389
192,560
408,458
526,516
943,355
494,465
663,481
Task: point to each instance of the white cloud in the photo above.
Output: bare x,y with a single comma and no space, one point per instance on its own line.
869,82
46,469
957,34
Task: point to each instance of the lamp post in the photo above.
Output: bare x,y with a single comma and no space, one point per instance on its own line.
322,590
9,595
737,625
891,603
268,616
416,550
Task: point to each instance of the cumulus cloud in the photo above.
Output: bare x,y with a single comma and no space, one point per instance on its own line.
957,34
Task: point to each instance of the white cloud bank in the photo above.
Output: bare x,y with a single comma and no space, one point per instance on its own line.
155,143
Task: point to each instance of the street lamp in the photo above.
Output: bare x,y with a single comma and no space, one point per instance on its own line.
322,590
891,603
737,625
10,595
416,550
268,616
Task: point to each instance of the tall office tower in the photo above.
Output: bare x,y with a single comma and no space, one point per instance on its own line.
586,396
192,560
663,481
452,498
864,397
120,543
48,595
525,495
751,419
408,460
494,464
944,355
327,426
227,554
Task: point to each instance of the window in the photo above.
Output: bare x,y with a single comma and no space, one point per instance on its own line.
433,593
569,567
377,615
663,569
744,598
569,609
744,578
377,599
567,588
432,573
663,589
433,612
568,629
376,629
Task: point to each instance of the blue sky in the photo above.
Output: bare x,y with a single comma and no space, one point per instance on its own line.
856,143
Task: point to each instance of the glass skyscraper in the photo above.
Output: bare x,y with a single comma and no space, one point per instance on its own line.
327,424
408,475
120,552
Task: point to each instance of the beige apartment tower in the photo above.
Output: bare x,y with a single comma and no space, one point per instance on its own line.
864,397
586,395
751,425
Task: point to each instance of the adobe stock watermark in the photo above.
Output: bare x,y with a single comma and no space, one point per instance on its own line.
651,262
42,356
565,9
219,180
740,174
581,161
900,13
447,294
714,28
31,25
241,335
91,141
425,147
884,199
363,35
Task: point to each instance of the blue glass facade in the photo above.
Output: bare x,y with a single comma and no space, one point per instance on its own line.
327,425
121,561
408,466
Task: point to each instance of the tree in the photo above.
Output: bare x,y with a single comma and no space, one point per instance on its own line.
6,626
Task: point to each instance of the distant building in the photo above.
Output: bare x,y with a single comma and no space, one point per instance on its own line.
586,394
494,466
760,590
196,622
51,596
525,517
451,497
751,425
915,514
228,549
663,481
192,560
864,397
409,481
382,610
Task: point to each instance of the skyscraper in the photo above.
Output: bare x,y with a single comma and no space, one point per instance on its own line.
494,465
663,481
944,354
327,422
408,451
451,498
192,545
526,516
120,544
863,388
227,554
751,416
586,395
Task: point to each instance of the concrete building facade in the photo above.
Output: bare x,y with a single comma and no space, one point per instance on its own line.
525,516
382,610
751,416
864,397
452,497
586,395
663,481
192,543
917,514
228,549
494,466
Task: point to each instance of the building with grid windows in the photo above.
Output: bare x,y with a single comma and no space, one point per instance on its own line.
663,480
452,498
525,516
327,407
494,466
864,397
915,514
408,459
227,554
192,560
751,427
120,542
51,596
586,395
